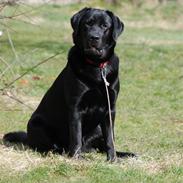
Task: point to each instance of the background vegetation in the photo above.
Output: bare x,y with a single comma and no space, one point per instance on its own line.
149,109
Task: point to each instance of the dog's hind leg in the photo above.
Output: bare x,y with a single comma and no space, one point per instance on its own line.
38,135
93,141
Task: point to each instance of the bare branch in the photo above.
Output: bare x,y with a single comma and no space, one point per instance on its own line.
7,68
12,46
29,70
11,96
33,9
8,27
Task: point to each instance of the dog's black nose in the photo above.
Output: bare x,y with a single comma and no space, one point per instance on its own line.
94,38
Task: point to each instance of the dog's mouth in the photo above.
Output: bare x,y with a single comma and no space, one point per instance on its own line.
93,51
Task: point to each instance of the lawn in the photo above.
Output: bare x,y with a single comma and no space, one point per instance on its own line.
149,118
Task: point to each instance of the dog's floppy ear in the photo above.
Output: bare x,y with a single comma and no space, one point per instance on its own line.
75,21
118,26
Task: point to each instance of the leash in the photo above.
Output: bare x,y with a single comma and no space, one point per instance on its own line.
106,83
102,67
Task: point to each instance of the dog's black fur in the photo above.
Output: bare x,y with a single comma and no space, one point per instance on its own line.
73,114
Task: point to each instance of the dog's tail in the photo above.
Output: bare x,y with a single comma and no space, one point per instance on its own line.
16,137
125,155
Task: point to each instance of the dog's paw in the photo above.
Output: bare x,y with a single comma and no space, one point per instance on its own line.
111,156
75,152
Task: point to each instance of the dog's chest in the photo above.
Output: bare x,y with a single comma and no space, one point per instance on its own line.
94,102
93,107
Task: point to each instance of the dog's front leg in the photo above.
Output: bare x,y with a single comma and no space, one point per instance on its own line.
107,130
75,135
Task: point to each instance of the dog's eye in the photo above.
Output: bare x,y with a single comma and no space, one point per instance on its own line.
89,22
104,26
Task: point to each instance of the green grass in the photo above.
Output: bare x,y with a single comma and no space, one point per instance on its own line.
149,108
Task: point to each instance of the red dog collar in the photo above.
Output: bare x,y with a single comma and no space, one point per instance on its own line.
100,65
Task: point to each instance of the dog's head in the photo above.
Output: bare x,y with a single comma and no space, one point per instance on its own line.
96,32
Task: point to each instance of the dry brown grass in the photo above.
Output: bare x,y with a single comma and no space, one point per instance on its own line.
12,160
153,166
16,161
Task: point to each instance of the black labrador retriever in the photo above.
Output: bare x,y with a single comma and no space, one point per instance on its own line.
73,116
